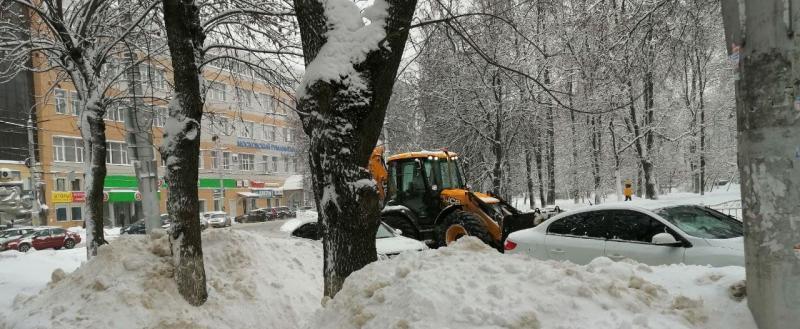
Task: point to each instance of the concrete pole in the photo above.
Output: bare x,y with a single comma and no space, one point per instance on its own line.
765,55
140,144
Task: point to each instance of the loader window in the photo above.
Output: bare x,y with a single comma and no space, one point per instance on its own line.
412,189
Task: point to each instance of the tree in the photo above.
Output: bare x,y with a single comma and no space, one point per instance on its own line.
350,72
80,42
763,46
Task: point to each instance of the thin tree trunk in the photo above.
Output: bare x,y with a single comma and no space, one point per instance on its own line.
95,159
617,178
574,167
339,117
596,150
529,177
768,155
551,157
181,147
537,155
497,144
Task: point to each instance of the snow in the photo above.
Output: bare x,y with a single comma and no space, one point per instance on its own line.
260,277
27,273
469,285
349,40
725,194
253,281
293,182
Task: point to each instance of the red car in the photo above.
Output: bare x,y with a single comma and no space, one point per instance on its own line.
44,238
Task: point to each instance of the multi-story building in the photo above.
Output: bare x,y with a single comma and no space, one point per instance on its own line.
248,147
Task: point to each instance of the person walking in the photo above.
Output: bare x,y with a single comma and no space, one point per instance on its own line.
628,192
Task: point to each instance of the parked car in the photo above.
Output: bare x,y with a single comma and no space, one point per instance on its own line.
388,241
677,234
139,226
283,212
218,219
13,234
44,238
253,216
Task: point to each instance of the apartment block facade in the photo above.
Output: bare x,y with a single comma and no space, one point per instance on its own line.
248,145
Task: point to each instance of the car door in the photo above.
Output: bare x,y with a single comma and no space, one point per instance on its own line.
40,239
578,238
57,236
630,235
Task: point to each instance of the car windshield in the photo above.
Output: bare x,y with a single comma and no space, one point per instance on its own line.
218,216
4,234
384,232
702,223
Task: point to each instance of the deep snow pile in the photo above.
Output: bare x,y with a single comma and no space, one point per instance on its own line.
253,281
471,286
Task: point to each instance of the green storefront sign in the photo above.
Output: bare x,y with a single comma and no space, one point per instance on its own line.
124,188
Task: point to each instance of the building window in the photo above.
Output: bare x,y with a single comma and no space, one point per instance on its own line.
265,163
76,103
159,116
287,134
117,153
294,165
61,101
152,76
247,162
200,160
216,91
217,205
274,164
214,160
61,184
61,213
75,184
77,213
115,113
226,160
247,130
67,149
285,164
272,133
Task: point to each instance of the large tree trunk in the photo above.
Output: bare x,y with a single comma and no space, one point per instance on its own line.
93,130
768,154
343,124
182,146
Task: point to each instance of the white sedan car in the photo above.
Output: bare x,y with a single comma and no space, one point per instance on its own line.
388,241
678,234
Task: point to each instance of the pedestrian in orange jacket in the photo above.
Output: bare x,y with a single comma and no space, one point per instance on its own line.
628,192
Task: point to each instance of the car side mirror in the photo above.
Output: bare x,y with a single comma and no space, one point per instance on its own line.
666,239
398,231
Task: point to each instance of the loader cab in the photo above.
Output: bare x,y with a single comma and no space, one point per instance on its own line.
416,180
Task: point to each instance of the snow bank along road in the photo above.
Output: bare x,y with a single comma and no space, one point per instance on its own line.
258,278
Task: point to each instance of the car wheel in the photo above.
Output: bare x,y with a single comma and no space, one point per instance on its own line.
459,224
69,244
403,224
24,247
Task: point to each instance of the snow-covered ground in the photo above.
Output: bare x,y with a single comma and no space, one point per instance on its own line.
259,277
469,285
721,195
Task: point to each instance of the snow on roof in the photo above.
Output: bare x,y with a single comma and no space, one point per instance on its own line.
248,194
294,182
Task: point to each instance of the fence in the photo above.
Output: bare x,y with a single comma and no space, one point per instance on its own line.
730,208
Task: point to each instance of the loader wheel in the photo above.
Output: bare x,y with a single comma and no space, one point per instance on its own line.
402,224
461,223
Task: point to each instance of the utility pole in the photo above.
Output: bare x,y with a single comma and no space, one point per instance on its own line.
764,51
140,143
34,169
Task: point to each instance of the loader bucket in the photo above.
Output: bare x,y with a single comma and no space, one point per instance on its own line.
513,223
